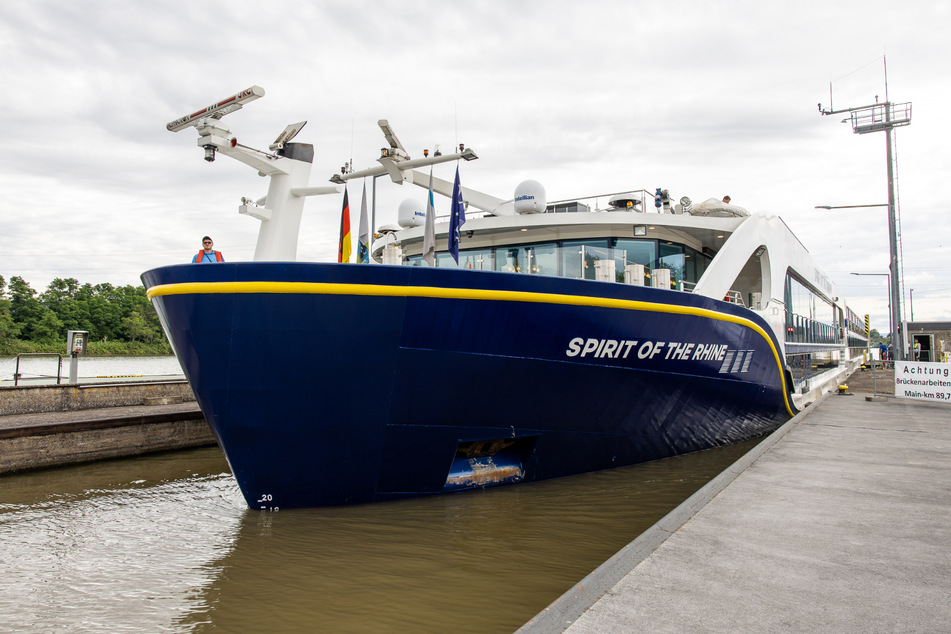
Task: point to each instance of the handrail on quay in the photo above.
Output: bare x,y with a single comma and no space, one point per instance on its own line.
59,369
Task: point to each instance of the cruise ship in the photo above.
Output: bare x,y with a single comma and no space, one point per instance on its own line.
563,337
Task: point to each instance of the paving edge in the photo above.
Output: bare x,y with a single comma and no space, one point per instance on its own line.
566,609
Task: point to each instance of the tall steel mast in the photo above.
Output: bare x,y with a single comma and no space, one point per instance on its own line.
885,117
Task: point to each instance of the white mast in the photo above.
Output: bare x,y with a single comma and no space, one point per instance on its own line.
288,167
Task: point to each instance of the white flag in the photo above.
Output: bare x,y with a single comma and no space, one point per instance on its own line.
429,237
363,238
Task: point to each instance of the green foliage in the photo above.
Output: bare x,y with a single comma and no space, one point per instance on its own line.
13,347
9,329
111,314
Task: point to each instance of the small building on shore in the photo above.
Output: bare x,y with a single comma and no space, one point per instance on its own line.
932,337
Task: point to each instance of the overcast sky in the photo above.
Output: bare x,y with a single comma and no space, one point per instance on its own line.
701,98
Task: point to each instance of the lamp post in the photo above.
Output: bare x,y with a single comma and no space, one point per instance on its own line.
911,302
850,206
894,313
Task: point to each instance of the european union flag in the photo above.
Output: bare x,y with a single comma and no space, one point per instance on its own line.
457,217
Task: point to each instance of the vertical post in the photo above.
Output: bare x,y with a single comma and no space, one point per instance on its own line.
73,368
373,218
895,290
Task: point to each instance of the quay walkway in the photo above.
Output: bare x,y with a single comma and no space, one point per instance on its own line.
838,522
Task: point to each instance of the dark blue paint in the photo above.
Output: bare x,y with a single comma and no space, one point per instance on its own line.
326,399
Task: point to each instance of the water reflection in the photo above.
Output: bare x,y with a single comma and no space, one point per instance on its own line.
115,545
166,543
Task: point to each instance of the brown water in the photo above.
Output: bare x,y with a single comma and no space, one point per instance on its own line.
165,543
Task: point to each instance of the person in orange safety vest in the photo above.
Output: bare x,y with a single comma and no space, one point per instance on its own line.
207,254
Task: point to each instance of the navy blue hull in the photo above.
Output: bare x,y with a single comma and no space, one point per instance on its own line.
336,384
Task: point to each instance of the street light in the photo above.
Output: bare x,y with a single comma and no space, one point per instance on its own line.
850,206
894,315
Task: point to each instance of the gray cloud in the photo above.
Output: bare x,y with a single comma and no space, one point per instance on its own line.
702,98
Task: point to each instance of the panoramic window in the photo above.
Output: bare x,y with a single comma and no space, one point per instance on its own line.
671,256
577,259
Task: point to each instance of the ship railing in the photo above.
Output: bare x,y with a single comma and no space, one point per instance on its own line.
734,297
686,286
643,201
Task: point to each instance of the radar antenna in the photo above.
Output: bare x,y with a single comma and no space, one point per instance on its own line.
217,110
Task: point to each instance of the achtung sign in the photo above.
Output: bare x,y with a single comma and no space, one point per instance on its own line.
923,381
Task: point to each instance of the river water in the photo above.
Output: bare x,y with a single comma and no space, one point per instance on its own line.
43,369
165,543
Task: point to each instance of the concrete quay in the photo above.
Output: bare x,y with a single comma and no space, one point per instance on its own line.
840,521
60,425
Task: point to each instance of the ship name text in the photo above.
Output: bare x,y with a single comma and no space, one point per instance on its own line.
621,349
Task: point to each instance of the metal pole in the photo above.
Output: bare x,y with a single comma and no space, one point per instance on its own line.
895,290
875,377
373,216
74,368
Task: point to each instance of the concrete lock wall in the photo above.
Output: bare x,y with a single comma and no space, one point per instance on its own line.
51,425
65,398
41,450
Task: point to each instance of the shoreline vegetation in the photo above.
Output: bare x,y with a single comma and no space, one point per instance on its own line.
120,320
12,348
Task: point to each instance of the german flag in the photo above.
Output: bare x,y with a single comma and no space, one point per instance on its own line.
343,251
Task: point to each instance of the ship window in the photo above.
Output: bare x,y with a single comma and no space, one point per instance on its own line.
542,259
472,259
578,257
810,317
510,259
697,265
671,256
635,252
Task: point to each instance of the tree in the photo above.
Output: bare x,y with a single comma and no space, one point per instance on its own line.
135,326
35,321
102,311
60,297
8,328
107,312
48,328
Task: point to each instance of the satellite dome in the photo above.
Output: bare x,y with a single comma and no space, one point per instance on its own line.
411,213
530,198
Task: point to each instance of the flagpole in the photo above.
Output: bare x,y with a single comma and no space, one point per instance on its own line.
457,217
373,215
429,233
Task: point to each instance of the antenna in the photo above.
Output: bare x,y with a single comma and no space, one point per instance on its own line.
397,150
217,110
285,137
